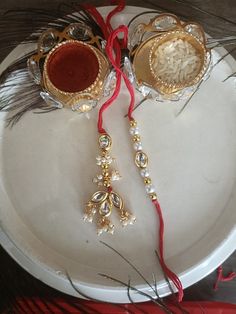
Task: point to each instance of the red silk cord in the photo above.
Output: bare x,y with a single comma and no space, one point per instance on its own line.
222,278
113,50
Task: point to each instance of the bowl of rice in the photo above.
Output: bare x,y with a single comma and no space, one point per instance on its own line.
177,60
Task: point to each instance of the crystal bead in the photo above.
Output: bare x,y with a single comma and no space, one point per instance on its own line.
34,71
138,146
105,208
150,189
144,173
47,41
116,200
51,101
99,196
141,159
104,141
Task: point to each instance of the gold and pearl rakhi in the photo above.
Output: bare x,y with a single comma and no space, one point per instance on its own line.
103,201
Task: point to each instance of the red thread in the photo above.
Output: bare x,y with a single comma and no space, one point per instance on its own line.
114,95
173,277
222,278
120,7
109,50
107,29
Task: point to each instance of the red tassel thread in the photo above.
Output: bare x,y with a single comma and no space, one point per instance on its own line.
222,278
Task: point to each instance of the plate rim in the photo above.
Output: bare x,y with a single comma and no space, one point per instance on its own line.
202,269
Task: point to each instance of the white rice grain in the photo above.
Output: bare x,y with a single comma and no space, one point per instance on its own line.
176,62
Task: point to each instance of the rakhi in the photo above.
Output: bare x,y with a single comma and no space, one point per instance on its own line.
103,201
141,158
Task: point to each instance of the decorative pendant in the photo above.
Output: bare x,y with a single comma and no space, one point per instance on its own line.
102,202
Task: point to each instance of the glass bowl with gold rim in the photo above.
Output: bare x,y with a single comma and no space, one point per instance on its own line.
169,56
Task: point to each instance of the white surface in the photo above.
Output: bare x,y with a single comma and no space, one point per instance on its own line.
46,170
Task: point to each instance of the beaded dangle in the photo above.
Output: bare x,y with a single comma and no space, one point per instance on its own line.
102,202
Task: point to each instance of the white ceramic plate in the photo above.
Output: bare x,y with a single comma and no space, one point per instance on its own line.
47,165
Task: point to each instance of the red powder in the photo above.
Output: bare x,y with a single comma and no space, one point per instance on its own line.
72,67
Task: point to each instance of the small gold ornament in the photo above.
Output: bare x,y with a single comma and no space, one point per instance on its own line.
103,201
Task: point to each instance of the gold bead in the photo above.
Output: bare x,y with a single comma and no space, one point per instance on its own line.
106,183
104,166
133,123
153,196
105,173
136,138
147,181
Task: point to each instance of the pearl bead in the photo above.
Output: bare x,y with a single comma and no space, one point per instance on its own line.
150,188
134,131
144,173
138,146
